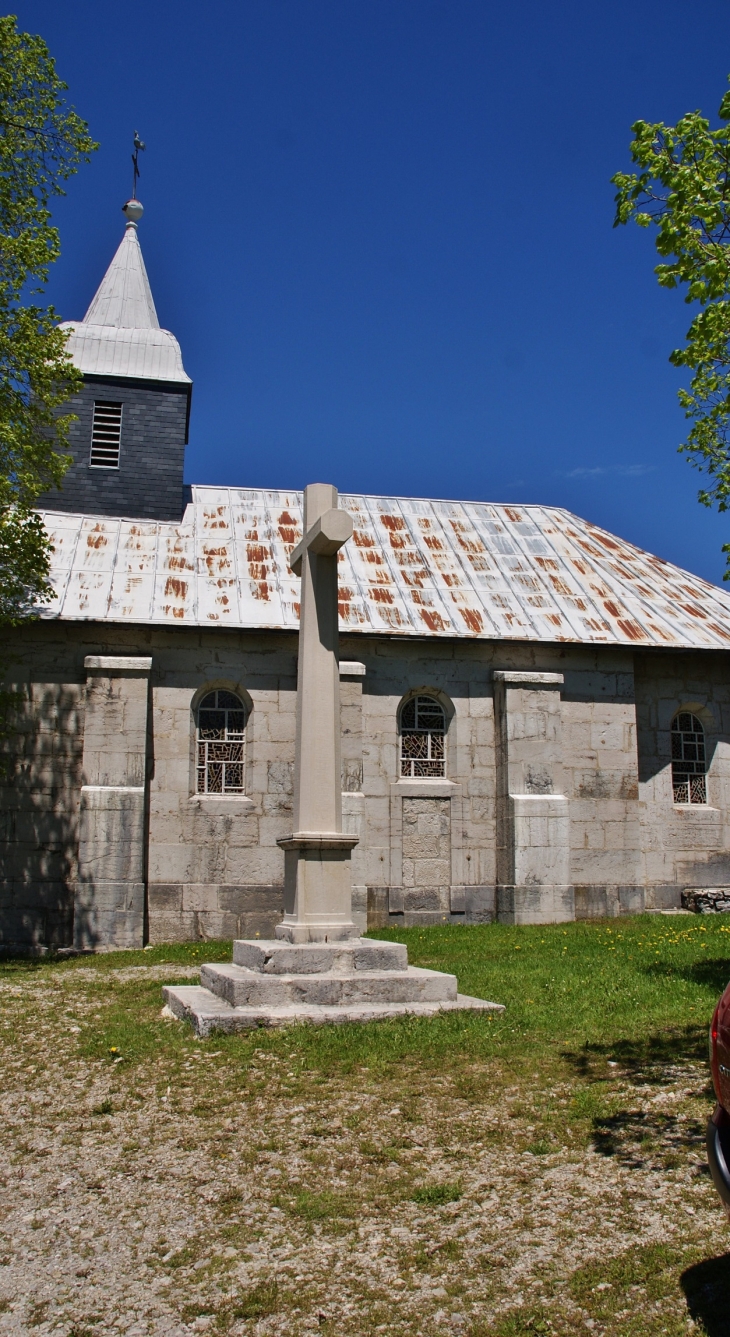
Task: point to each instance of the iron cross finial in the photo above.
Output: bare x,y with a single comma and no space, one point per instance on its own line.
137,146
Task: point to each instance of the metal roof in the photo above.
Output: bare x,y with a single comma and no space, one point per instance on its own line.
413,568
120,334
100,350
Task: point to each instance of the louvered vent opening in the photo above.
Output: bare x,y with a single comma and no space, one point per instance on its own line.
106,435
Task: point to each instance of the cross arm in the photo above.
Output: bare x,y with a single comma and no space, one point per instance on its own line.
326,536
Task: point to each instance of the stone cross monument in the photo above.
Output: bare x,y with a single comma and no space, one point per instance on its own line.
317,878
317,968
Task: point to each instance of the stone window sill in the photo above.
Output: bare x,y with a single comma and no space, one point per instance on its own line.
425,788
222,805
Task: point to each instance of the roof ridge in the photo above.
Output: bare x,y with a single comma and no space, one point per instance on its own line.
399,496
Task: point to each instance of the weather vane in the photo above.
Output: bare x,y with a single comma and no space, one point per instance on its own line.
137,146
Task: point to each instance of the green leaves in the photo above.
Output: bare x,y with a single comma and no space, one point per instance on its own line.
42,143
683,189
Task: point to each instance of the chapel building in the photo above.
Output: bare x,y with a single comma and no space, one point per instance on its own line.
535,714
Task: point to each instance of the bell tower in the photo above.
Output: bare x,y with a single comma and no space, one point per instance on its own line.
128,443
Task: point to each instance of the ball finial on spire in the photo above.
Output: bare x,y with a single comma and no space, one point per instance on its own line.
133,211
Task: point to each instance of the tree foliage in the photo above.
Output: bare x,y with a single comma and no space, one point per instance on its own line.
42,143
683,189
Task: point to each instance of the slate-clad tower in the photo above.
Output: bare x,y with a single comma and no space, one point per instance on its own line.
128,444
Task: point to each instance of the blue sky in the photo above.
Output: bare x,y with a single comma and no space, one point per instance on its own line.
382,232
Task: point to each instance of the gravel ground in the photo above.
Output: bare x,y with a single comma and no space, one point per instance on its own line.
188,1190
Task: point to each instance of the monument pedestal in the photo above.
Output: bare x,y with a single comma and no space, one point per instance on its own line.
277,983
317,888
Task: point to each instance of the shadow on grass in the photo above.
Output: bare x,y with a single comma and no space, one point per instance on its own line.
169,954
715,973
650,1060
647,1138
706,1286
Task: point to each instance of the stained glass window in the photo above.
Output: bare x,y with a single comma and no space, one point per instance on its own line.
220,743
689,767
422,738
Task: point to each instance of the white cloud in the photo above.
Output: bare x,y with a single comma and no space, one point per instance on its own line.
620,470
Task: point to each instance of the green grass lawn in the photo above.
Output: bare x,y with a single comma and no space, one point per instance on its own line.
538,1170
592,986
618,985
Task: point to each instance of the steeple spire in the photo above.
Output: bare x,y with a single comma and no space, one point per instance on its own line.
120,334
124,297
133,408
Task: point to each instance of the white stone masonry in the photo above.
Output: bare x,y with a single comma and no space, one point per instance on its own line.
533,820
110,890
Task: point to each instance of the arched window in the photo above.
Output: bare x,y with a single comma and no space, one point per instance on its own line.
688,759
422,738
220,743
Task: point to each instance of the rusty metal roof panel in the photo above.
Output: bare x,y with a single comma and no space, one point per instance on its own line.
414,568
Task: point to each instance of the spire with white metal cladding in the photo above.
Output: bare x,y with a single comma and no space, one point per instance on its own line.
120,334
124,298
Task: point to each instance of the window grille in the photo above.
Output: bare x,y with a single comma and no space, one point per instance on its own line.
220,743
106,435
422,738
689,781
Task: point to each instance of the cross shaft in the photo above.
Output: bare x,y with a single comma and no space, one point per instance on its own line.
317,890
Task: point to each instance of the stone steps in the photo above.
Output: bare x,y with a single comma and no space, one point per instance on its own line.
208,1013
242,987
276,983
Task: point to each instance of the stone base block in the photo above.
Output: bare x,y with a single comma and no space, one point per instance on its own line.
109,915
479,905
341,958
422,919
377,907
317,887
182,912
276,983
208,1013
594,903
609,902
542,903
360,909
241,987
663,896
394,907
36,925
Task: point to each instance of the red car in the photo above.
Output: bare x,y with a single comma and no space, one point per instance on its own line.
718,1128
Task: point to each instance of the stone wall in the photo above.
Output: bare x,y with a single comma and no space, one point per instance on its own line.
602,782
109,904
213,867
40,787
682,846
597,772
428,849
